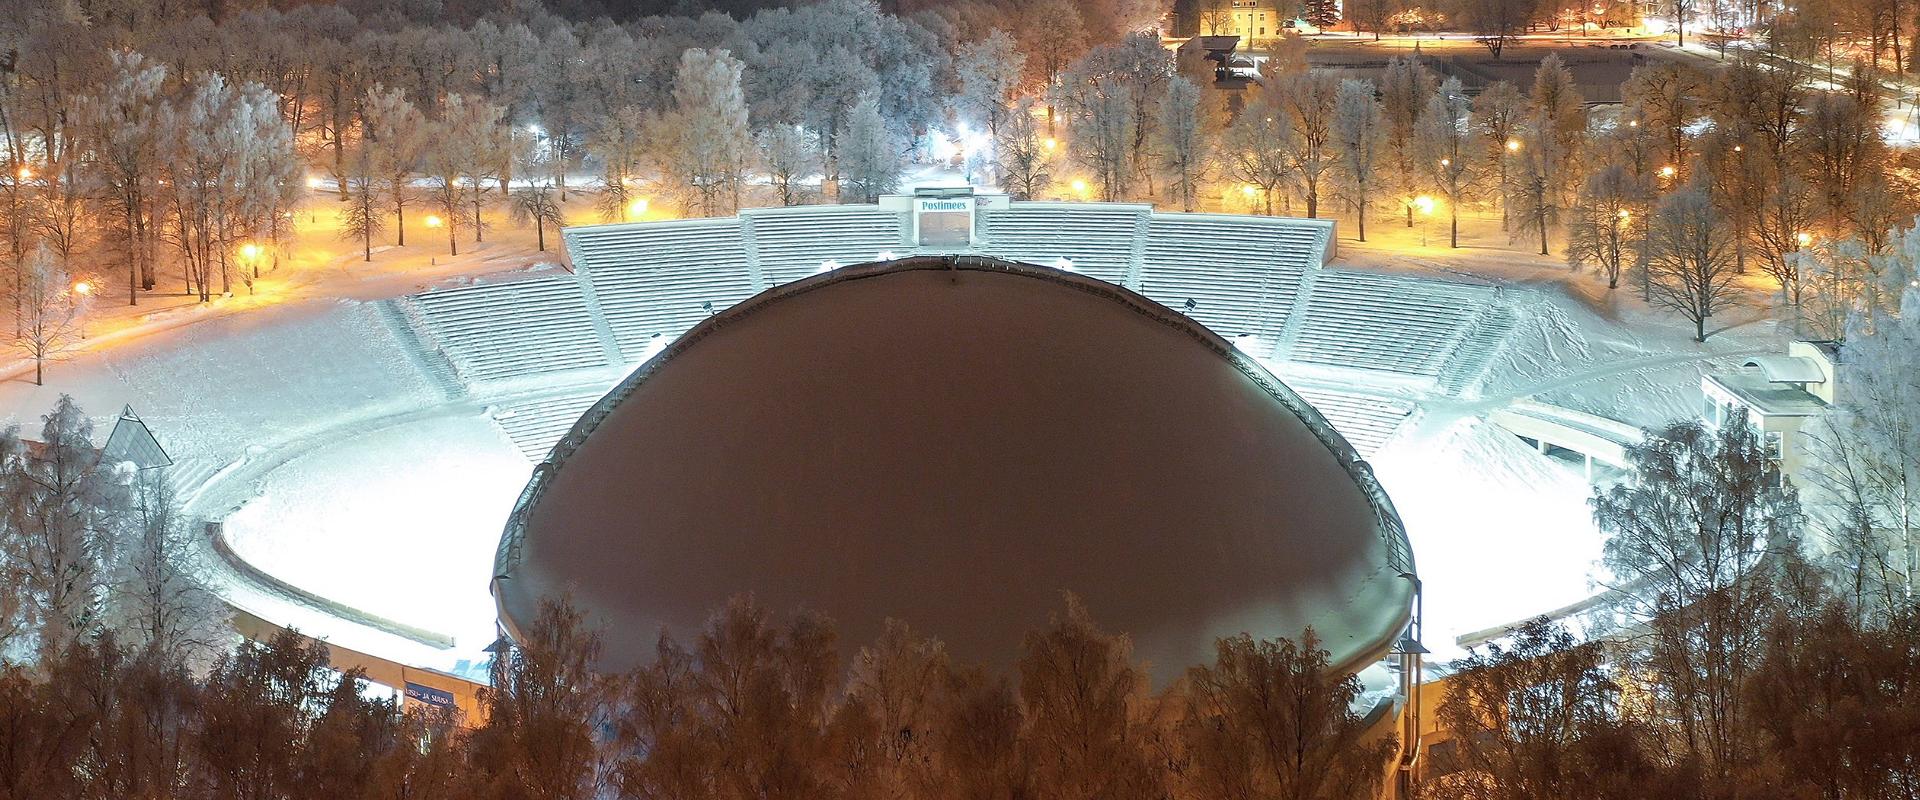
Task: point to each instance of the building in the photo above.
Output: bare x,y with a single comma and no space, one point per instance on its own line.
1781,396
954,441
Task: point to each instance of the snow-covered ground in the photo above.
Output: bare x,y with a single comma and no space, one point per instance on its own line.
400,522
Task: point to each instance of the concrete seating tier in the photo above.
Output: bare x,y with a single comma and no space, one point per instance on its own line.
504,330
1386,323
791,243
1097,238
658,277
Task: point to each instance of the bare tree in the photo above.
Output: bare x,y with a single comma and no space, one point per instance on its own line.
1602,229
1023,158
1271,718
535,203
1496,23
1499,112
1311,102
1691,265
1080,692
52,311
1690,535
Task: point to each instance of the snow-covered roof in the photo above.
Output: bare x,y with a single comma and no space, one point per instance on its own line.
1761,393
954,441
1788,369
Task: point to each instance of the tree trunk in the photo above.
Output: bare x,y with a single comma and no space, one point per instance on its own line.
540,234
1363,221
1453,215
1543,234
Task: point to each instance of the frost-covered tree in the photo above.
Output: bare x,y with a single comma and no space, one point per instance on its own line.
1021,155
618,143
1556,129
989,70
1404,89
232,174
1448,145
1357,132
702,143
156,603
1602,225
396,137
1665,97
1184,140
121,119
1690,535
870,163
1254,151
475,148
1691,264
790,155
1866,460
60,532
51,313
1098,107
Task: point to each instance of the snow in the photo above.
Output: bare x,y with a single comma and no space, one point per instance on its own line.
326,521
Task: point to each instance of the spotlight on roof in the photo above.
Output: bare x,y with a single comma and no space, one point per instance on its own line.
1189,306
707,307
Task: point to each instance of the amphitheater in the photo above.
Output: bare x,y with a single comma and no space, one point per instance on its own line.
360,497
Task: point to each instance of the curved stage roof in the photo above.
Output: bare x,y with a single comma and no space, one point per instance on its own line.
954,441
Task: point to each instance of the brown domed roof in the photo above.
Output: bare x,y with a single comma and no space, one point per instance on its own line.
953,442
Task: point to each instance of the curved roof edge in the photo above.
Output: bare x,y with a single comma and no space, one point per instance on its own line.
1388,526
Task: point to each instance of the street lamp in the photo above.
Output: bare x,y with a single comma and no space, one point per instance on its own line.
250,251
1049,143
638,207
1668,171
433,221
25,174
1079,186
1513,145
1804,238
82,288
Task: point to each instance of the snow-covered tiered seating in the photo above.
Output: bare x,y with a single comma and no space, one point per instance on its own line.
792,242
503,330
1365,422
534,425
1386,323
1241,274
1097,238
661,277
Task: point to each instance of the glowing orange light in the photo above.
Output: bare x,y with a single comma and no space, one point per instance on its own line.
83,288
250,250
433,221
1513,145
